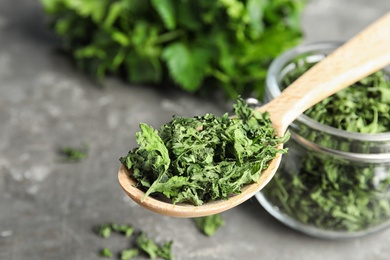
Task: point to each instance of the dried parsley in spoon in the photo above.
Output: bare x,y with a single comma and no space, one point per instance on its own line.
204,158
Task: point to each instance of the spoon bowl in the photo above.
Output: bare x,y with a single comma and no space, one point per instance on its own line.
183,210
367,52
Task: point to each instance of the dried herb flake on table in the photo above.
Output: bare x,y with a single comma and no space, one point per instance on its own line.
204,158
142,244
209,224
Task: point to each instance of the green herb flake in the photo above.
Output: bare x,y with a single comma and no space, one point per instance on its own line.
153,250
141,244
204,158
165,251
350,203
128,254
71,154
127,230
104,230
209,224
105,252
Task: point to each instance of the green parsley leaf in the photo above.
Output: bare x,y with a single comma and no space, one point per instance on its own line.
209,224
127,230
152,249
147,245
105,252
165,251
129,253
199,45
71,154
142,242
187,64
104,230
166,9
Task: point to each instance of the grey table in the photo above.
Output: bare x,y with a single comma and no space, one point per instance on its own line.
48,208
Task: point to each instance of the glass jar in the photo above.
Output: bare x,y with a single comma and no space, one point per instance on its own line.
332,183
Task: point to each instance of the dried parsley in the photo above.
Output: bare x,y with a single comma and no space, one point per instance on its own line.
325,190
142,244
148,246
73,154
363,107
126,230
104,230
204,158
105,252
331,194
209,224
128,254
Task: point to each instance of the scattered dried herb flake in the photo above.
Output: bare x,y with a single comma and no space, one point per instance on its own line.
142,244
209,224
128,254
73,154
148,246
105,252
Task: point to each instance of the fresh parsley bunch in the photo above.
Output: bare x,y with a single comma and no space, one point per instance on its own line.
195,44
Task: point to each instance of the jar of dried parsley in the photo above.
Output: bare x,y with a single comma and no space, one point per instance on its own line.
335,180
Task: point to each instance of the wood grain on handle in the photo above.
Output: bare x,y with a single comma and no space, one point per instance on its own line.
340,69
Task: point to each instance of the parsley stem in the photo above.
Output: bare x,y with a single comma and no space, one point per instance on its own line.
168,36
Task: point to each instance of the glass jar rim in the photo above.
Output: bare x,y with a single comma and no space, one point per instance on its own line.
278,64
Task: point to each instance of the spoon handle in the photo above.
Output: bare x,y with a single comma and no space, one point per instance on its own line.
367,52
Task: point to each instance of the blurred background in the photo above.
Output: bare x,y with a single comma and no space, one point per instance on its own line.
56,93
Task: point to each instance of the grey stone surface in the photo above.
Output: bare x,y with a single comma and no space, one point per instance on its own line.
48,208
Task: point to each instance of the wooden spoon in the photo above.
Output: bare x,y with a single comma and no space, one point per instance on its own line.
361,56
